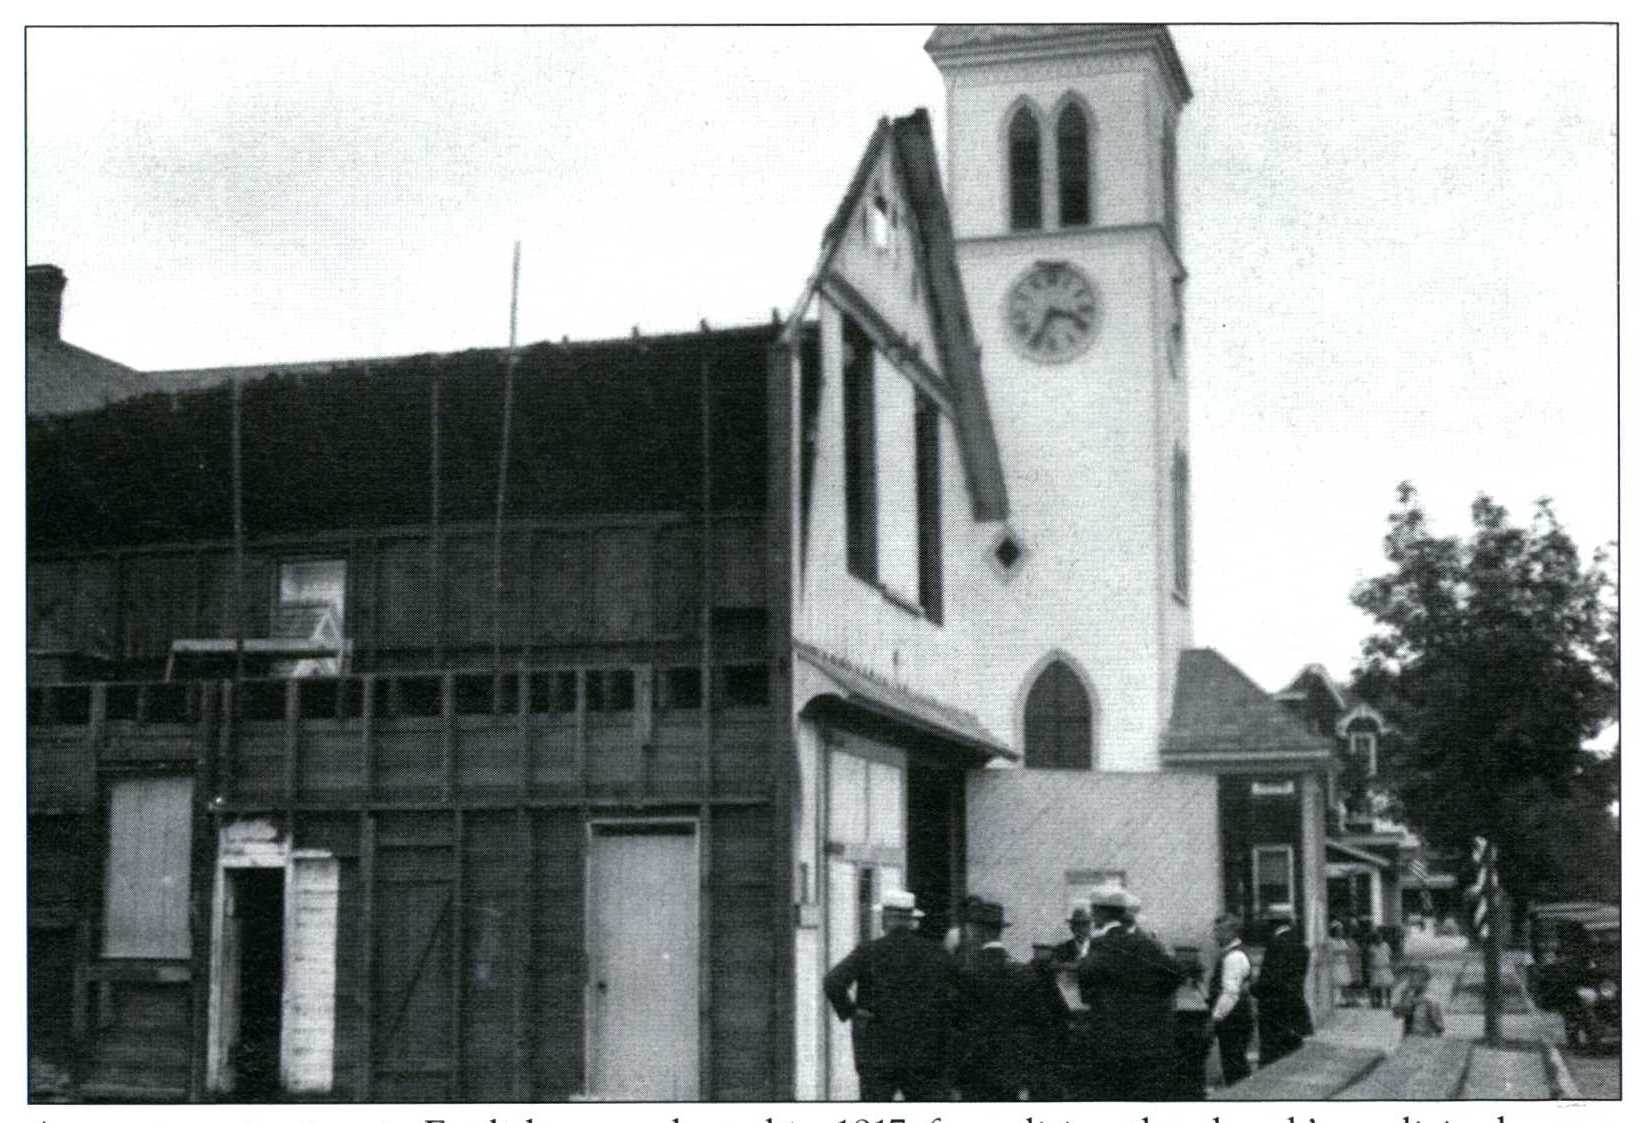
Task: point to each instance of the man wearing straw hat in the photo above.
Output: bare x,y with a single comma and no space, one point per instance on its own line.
901,994
1127,981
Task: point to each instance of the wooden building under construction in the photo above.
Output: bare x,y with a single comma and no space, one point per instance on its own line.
391,797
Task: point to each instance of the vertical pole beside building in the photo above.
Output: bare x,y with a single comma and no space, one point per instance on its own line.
504,473
1487,899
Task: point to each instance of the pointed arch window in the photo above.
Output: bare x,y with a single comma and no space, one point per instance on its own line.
1182,542
1026,202
1072,147
1057,720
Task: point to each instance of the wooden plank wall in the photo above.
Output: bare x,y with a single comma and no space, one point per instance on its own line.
634,580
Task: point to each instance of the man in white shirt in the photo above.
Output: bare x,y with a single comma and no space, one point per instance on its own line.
1230,1001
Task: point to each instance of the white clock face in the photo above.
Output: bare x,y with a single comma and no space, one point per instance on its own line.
1052,312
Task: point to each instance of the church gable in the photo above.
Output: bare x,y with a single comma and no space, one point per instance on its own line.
888,265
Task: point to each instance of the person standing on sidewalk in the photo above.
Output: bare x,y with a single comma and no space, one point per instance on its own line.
901,995
1127,981
1381,980
1282,1018
1231,1015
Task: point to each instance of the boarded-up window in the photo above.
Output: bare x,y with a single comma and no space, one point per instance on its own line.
1026,180
1058,720
146,887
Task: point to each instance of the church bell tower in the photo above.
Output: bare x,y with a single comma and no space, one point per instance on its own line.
1061,141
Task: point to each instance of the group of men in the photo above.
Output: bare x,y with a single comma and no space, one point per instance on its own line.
1108,1014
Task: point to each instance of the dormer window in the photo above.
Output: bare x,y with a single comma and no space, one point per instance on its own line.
1363,747
1026,179
1072,146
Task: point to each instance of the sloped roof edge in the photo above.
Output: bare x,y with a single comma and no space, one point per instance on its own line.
1219,712
886,699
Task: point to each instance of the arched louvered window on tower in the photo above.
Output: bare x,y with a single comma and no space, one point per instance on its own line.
1072,149
1026,186
1057,720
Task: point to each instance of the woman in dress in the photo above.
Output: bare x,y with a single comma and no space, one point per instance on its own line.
1381,981
1342,968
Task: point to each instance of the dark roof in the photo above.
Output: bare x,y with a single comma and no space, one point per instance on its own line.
1221,715
63,379
865,691
601,428
920,174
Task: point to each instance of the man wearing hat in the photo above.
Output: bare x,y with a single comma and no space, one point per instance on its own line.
1230,1000
1127,981
1282,1018
1011,1017
1072,951
901,992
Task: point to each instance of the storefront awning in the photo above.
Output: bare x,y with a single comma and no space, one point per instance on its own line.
886,700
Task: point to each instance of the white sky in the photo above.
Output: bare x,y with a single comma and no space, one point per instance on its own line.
1401,240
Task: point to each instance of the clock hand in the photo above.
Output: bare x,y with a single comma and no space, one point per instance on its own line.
1042,324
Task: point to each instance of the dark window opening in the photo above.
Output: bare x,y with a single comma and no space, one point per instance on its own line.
1167,157
263,700
1057,729
554,692
318,698
1072,146
864,903
120,702
746,685
880,219
611,690
419,697
69,705
175,702
682,688
1180,528
1008,551
1026,180
927,430
860,453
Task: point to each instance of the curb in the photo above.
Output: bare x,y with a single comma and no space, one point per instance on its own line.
1561,1083
1560,1077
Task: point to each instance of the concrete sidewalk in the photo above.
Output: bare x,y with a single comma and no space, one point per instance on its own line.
1356,1052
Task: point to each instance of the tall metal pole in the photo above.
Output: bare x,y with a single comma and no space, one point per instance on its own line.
504,470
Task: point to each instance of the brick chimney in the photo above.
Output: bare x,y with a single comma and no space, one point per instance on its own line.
43,303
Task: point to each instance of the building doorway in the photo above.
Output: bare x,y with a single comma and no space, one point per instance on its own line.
254,947
643,1001
934,830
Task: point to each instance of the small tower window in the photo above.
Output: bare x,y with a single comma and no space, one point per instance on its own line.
1072,146
1026,204
1179,501
1057,720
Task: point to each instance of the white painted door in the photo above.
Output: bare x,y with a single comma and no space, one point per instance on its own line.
643,995
307,994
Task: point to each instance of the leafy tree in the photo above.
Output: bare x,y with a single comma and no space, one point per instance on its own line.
1496,657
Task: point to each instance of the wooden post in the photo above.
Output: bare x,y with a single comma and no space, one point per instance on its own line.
1492,946
366,984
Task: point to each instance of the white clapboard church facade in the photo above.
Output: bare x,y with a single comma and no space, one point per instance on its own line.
992,547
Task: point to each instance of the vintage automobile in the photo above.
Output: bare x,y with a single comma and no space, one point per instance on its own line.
1577,969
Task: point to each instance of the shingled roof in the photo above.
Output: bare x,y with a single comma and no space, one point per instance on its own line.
1221,717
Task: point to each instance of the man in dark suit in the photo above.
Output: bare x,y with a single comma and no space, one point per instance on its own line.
1127,981
902,993
1072,951
1012,1019
1282,1018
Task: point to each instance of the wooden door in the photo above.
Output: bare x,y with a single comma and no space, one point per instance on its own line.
643,993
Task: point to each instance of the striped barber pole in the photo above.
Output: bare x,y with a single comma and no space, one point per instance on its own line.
1418,868
1484,885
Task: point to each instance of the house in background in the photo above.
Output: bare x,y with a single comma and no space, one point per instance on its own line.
373,759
